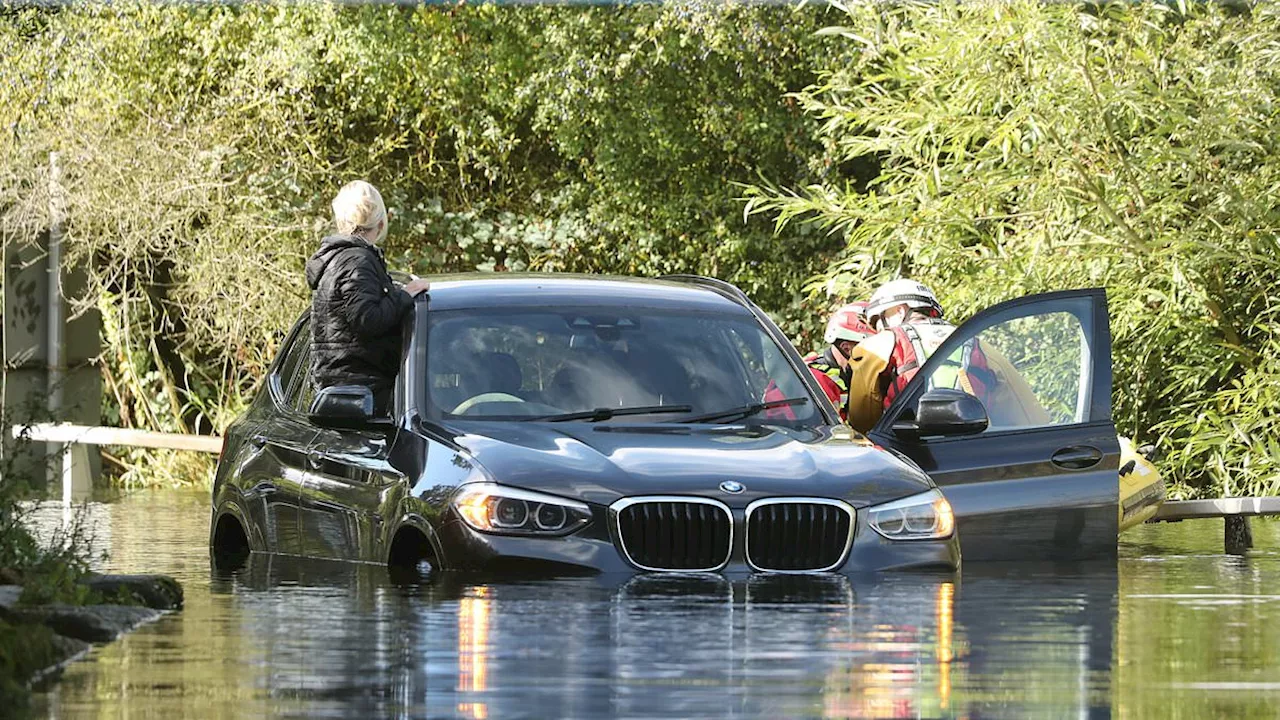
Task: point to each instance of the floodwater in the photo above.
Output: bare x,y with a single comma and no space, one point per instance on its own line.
1175,629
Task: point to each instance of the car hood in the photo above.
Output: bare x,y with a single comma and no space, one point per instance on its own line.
601,463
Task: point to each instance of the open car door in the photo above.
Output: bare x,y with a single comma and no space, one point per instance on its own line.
1011,417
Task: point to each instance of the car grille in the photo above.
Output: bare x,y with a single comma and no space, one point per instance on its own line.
797,535
680,534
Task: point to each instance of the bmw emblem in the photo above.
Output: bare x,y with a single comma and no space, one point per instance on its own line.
732,487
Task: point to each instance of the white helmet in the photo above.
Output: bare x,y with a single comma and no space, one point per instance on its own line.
914,295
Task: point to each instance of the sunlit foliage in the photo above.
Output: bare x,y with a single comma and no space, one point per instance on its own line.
201,147
1023,147
990,149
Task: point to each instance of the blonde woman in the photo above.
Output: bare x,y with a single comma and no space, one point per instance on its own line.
356,309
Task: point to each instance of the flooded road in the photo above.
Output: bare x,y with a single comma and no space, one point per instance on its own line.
1175,629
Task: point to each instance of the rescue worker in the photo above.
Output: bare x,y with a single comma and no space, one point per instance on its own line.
845,329
911,327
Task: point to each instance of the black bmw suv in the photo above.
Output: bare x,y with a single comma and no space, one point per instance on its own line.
563,423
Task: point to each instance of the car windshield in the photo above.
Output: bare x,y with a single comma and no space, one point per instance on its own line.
644,365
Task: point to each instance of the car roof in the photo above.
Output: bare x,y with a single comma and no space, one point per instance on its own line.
520,290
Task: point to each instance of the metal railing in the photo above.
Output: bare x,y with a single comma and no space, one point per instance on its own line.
70,442
1237,535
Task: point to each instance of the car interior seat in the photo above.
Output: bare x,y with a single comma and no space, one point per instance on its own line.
663,378
500,372
571,388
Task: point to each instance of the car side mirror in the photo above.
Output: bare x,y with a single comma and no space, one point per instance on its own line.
945,411
346,407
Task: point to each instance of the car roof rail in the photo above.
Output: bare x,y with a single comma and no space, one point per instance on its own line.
720,287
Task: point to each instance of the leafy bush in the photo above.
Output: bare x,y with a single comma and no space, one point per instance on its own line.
1021,147
24,651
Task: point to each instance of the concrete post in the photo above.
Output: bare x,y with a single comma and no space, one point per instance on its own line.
1237,536
42,375
25,295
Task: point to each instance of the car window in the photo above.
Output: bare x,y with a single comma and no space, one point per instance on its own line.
1029,372
764,364
504,364
295,366
304,390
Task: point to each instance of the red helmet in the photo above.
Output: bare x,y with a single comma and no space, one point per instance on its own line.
848,323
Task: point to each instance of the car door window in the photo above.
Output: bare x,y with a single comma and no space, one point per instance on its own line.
1033,365
294,367
304,390
1028,372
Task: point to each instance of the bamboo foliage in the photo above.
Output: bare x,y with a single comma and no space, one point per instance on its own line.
1024,147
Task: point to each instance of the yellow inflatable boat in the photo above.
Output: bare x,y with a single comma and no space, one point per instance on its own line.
1142,490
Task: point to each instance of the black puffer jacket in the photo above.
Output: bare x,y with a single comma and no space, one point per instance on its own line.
356,315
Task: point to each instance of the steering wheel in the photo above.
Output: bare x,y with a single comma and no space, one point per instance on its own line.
488,397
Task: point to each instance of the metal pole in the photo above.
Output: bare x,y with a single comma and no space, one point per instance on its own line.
4,340
54,375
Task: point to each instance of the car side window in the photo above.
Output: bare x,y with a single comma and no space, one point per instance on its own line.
304,391
295,367
1029,372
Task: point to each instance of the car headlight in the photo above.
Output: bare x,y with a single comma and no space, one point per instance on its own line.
492,508
926,516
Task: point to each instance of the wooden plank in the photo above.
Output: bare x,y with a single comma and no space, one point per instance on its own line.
98,435
1216,508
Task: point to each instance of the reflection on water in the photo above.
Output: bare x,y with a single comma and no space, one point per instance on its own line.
1177,630
894,670
473,646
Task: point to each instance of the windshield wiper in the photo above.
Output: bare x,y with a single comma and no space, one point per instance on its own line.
604,413
745,410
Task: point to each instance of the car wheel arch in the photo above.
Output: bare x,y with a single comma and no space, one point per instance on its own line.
413,541
231,539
